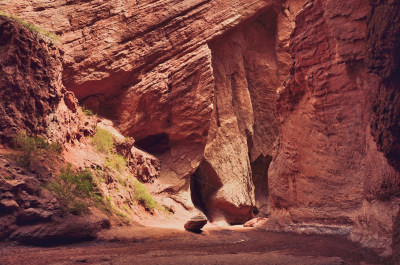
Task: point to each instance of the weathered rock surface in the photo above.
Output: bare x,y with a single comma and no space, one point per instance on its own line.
34,99
195,82
25,105
196,223
148,65
326,168
243,128
383,57
62,230
31,90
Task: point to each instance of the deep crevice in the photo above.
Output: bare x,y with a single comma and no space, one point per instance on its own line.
259,169
154,144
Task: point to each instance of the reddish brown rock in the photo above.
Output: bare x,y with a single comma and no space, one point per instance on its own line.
8,205
327,169
31,91
243,126
147,167
195,83
383,59
65,230
148,65
196,223
26,105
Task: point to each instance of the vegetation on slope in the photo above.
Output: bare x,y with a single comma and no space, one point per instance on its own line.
31,148
32,27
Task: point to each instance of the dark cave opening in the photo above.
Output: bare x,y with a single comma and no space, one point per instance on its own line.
154,144
259,169
203,183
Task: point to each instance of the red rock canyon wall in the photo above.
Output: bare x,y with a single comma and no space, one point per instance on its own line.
218,89
327,174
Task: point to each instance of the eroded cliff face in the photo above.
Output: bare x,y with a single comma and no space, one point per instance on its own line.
327,174
32,94
243,126
148,65
218,89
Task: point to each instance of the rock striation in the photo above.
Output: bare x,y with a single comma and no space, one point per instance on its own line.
326,168
149,66
34,100
287,109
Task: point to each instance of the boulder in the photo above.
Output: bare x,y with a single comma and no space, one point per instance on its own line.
33,215
8,205
61,230
196,223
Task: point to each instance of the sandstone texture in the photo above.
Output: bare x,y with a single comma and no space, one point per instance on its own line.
33,97
288,110
326,168
149,66
34,100
25,105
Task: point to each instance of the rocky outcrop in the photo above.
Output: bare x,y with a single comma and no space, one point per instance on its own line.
31,90
61,231
197,84
25,105
383,57
34,100
243,126
326,168
249,64
148,66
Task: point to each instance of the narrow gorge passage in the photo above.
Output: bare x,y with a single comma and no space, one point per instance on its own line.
243,123
200,131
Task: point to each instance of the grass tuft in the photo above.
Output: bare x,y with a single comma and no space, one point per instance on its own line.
87,111
31,148
32,27
72,189
144,197
116,161
103,140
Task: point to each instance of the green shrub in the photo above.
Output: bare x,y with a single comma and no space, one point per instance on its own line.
126,208
33,28
54,147
116,161
72,189
31,148
119,213
105,206
143,196
87,111
103,140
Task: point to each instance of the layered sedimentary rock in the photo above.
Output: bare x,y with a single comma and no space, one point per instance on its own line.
383,59
195,83
25,105
148,65
31,90
243,126
33,99
327,174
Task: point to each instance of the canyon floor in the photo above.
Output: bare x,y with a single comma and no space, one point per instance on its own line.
215,245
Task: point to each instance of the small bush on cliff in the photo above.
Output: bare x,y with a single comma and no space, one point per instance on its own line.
103,140
87,111
72,189
116,161
143,196
31,147
33,28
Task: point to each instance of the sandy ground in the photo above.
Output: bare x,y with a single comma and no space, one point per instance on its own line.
215,245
